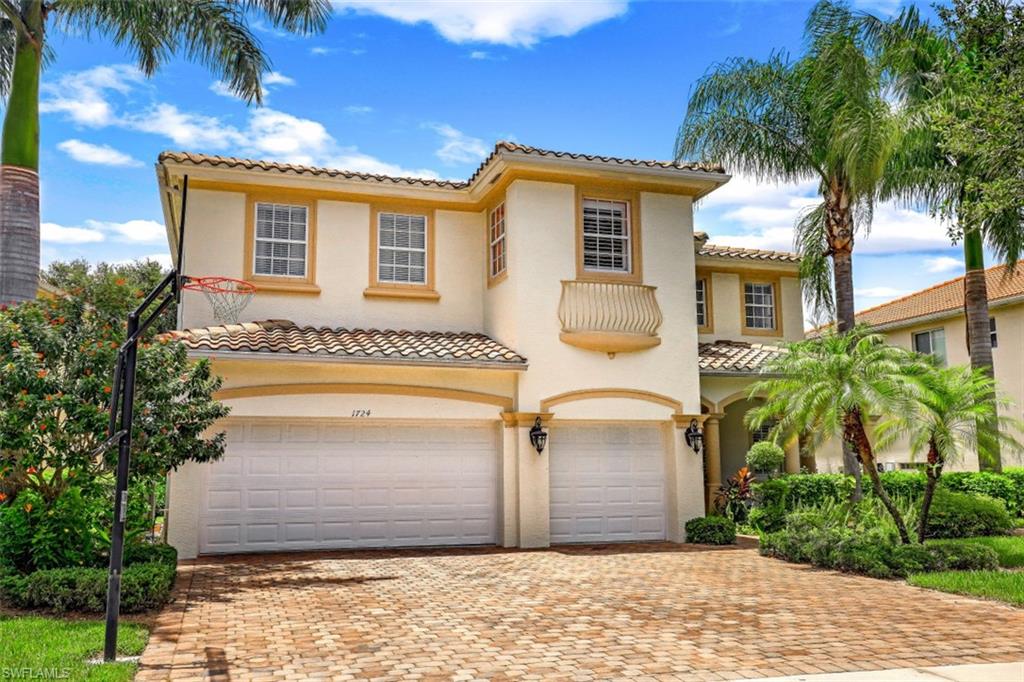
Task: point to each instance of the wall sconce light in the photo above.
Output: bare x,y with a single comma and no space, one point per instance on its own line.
538,436
694,437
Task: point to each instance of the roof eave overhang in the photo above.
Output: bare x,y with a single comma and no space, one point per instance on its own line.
941,315
759,263
748,374
350,360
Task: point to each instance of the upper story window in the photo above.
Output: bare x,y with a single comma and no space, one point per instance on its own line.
401,248
281,240
607,236
497,245
759,306
994,339
702,302
932,342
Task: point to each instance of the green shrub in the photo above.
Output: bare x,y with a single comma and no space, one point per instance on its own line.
807,538
964,556
958,515
871,552
985,483
908,485
917,558
766,456
143,587
775,498
16,530
35,535
150,553
1016,476
711,530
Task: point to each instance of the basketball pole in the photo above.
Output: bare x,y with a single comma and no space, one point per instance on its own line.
122,395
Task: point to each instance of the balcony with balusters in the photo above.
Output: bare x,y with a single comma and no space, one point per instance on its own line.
610,317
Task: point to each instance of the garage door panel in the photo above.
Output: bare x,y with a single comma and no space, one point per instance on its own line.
304,485
607,483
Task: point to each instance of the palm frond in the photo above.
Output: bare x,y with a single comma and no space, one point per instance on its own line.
811,242
294,16
8,39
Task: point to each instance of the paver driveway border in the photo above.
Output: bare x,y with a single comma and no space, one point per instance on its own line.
645,611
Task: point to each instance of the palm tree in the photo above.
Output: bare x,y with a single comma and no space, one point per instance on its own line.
821,117
829,386
213,32
949,405
931,72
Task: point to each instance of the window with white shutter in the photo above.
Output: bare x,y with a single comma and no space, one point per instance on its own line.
607,236
281,240
401,248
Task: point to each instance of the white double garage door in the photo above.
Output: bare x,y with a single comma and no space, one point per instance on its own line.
296,484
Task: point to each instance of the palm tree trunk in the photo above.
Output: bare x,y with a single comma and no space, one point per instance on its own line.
934,471
853,428
840,231
19,165
979,339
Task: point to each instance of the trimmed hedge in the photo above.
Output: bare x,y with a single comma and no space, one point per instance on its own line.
960,515
906,484
986,483
775,498
143,587
809,538
711,530
146,584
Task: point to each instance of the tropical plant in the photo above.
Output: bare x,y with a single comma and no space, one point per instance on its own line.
829,386
821,117
766,456
213,32
950,406
935,73
734,497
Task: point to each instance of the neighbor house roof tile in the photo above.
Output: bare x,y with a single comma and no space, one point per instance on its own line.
1002,283
720,251
286,338
213,161
735,357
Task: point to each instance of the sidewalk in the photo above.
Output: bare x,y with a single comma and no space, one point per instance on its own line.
983,672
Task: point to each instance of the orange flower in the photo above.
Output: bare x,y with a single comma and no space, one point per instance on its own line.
3,497
106,389
28,507
31,470
14,344
119,281
42,426
41,373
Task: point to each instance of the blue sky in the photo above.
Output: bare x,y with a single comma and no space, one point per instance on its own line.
426,89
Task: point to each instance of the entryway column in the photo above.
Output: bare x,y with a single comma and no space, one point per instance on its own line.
712,457
533,479
509,520
686,478
793,455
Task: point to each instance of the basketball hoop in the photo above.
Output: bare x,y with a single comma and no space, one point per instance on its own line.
227,296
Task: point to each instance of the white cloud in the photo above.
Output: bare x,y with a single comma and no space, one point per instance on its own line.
183,128
286,137
277,78
943,264
478,54
762,215
354,160
457,147
96,153
138,231
60,234
357,109
82,95
520,24
880,292
320,50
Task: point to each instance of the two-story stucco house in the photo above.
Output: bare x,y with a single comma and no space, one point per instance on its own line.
932,321
406,335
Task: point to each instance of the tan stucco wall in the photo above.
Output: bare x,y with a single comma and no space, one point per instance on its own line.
727,303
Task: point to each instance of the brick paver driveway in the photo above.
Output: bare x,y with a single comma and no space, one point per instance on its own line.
638,611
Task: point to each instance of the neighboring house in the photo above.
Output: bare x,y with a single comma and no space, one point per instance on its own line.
407,334
932,321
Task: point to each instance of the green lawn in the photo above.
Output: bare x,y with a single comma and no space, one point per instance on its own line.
1007,586
1010,548
51,648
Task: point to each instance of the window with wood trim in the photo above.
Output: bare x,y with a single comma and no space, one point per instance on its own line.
607,236
281,240
932,342
759,305
497,244
702,302
401,248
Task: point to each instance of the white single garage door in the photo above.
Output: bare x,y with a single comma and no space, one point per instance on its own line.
607,483
292,484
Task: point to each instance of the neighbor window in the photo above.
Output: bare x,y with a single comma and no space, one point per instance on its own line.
606,236
992,332
281,240
762,432
401,248
932,342
702,303
759,302
498,252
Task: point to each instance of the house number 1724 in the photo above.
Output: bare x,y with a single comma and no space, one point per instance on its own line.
360,413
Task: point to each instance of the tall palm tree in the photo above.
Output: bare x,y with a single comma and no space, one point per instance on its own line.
931,72
829,386
212,32
820,117
943,422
